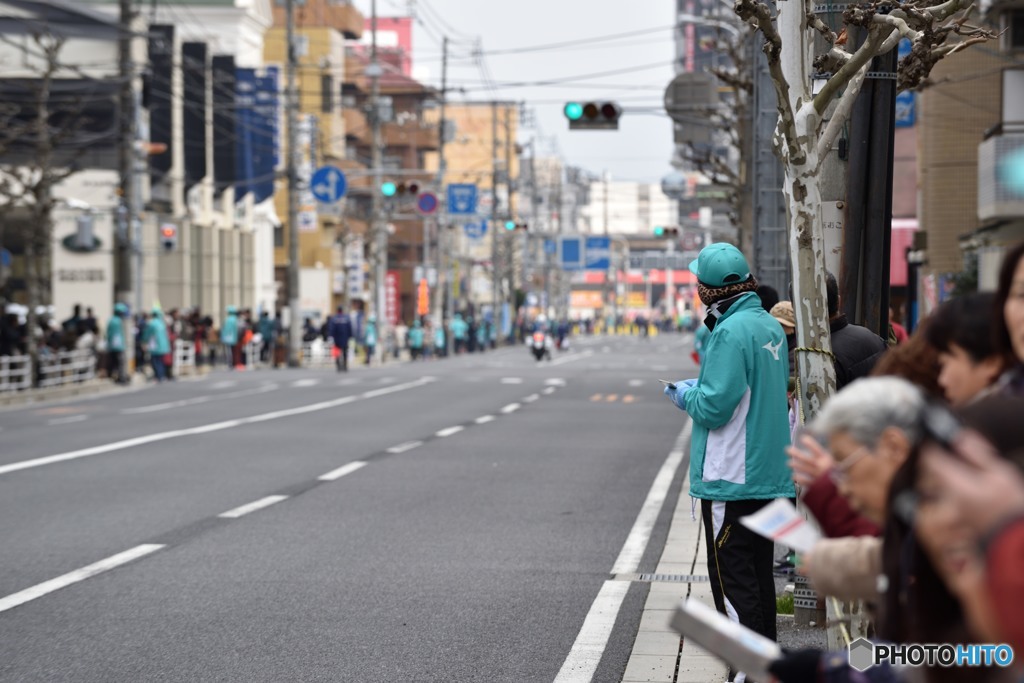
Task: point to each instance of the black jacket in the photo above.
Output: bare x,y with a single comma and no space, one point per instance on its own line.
856,350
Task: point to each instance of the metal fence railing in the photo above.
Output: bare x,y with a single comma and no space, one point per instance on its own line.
67,367
15,373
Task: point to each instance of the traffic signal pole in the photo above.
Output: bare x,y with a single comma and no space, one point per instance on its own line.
444,243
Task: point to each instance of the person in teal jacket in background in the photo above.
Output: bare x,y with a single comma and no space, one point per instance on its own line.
158,342
740,431
416,340
116,345
229,337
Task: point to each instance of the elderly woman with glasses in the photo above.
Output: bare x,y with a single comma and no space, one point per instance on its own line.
870,428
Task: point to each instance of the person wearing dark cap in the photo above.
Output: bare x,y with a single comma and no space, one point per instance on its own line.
740,429
339,329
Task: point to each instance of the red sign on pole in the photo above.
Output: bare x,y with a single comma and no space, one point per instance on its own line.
391,297
423,298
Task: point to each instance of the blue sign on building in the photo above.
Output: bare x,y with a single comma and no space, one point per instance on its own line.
598,253
462,199
550,247
475,231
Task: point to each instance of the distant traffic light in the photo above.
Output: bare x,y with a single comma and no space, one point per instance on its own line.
593,115
388,189
665,231
510,225
169,236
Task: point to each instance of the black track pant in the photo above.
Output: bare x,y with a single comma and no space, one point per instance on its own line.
740,564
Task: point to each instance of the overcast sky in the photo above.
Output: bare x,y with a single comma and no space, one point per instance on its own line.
639,150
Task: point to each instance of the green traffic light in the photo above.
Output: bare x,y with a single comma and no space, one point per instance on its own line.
659,231
574,111
388,189
510,225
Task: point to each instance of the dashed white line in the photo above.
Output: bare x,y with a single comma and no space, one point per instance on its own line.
213,427
199,399
252,507
555,382
531,398
448,431
549,391
68,420
510,408
511,380
403,447
226,384
570,359
300,383
39,590
636,382
484,419
342,471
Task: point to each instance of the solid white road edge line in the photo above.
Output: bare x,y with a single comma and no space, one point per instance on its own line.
252,507
39,590
585,655
484,419
403,447
342,471
586,652
510,408
448,431
216,426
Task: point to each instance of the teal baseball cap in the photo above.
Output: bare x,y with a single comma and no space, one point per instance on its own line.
720,264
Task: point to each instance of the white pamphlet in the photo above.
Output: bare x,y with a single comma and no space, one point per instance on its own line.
781,522
739,647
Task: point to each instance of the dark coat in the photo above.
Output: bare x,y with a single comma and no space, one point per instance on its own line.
856,350
834,514
339,328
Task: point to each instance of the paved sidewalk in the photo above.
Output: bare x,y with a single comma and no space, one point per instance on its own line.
660,655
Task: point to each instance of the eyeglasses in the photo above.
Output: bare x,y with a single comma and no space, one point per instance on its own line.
840,470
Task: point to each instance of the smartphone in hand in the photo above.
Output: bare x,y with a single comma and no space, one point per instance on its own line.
668,384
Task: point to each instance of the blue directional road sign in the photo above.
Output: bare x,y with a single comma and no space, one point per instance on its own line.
550,247
328,184
462,199
570,253
598,253
475,231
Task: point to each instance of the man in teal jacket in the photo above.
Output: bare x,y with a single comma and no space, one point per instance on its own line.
740,430
116,344
158,342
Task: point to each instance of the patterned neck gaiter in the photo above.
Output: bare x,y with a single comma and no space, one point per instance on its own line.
711,295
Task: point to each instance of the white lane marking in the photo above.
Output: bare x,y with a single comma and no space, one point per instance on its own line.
549,391
342,471
485,419
555,382
39,590
531,398
581,663
252,507
403,447
448,431
216,426
300,383
511,380
570,359
510,408
68,420
629,558
636,382
348,382
226,384
659,368
199,399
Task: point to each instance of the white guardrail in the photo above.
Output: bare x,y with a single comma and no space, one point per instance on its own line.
15,373
67,367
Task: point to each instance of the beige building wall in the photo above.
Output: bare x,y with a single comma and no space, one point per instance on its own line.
954,117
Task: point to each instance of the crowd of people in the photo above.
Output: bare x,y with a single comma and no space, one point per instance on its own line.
913,469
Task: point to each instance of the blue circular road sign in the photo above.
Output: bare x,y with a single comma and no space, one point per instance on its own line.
328,184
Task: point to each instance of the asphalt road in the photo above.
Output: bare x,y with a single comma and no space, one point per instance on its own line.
440,521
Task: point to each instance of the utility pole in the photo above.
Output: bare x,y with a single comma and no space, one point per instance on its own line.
129,237
495,228
292,123
443,254
378,228
509,191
